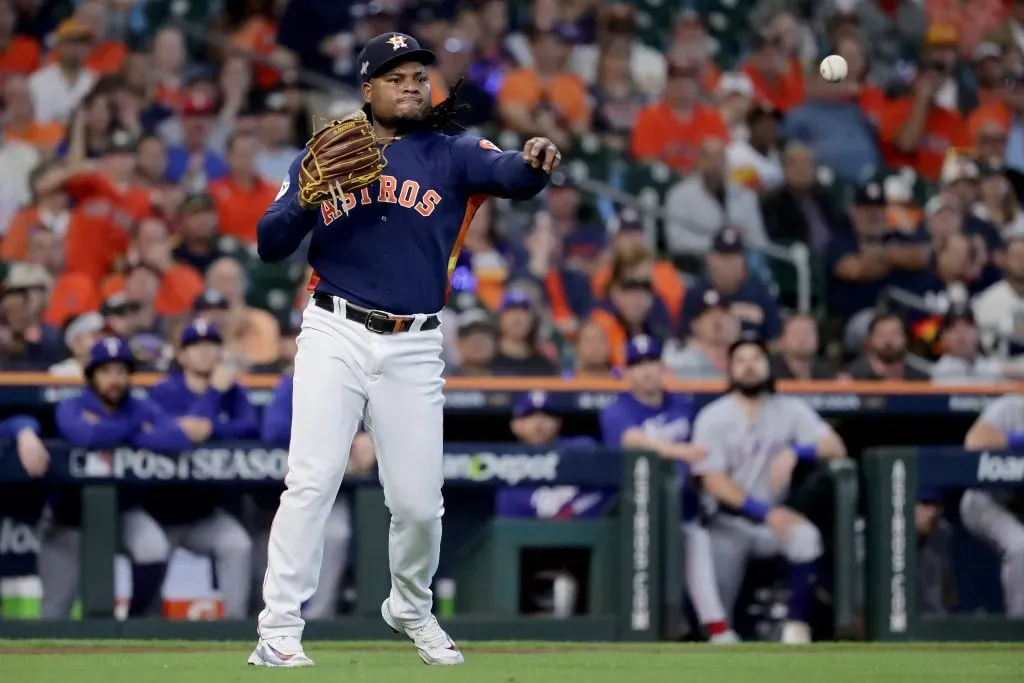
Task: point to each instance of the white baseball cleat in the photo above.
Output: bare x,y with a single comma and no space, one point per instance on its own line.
280,651
727,638
434,645
796,633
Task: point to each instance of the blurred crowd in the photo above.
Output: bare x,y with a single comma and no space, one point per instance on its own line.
142,140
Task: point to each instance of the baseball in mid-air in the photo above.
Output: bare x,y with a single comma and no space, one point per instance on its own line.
834,68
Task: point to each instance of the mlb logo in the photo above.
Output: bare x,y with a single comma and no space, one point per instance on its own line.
98,464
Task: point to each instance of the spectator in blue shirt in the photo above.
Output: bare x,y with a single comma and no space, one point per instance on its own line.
746,298
193,161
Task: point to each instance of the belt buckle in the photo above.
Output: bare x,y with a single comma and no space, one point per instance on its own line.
373,317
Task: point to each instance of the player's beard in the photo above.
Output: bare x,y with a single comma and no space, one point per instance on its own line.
404,123
753,389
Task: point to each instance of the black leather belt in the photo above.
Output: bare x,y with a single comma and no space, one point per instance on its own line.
375,321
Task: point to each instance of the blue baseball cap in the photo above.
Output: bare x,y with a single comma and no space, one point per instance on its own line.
532,402
643,349
109,350
388,50
200,331
516,298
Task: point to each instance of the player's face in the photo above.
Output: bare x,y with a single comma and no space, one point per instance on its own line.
645,378
111,382
200,357
748,369
537,429
401,95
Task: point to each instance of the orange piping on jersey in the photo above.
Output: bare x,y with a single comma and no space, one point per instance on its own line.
472,206
314,280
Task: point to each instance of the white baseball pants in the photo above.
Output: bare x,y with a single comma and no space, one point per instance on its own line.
345,374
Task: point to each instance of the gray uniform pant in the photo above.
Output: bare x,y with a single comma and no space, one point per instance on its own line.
58,565
324,602
989,520
734,540
219,536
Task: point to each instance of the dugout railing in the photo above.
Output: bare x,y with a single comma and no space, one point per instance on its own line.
893,477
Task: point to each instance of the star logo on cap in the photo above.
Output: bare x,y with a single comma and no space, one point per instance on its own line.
365,68
397,42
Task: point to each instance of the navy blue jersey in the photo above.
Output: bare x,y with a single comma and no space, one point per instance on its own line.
396,246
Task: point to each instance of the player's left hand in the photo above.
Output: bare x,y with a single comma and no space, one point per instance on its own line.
780,473
542,153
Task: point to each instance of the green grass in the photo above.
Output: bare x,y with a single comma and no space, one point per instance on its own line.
379,662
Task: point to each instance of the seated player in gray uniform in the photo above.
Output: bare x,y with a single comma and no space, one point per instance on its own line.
996,516
754,439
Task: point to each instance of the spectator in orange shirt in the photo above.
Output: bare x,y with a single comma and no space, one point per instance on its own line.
691,42
630,306
258,36
917,132
987,60
71,293
49,208
106,56
252,335
168,66
774,77
628,232
180,283
790,33
242,196
547,100
111,202
673,130
18,54
20,120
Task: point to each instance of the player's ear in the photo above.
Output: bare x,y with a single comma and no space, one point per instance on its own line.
367,88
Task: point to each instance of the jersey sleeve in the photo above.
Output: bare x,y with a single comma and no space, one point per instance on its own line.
1004,414
485,169
614,423
285,224
78,430
12,426
158,431
241,422
709,431
808,427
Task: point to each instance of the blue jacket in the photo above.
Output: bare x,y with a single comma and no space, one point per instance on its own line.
84,421
396,247
232,414
276,429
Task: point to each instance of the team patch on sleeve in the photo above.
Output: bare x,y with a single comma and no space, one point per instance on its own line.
487,144
284,188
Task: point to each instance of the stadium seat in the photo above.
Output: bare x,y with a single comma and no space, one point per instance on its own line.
272,286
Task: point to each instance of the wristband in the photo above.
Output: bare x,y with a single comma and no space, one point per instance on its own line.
755,509
807,453
1015,441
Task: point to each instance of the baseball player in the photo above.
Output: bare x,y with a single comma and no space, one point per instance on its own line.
649,418
276,431
369,347
535,423
996,516
105,415
205,396
754,439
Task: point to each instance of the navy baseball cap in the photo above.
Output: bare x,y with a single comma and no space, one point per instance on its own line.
728,241
870,194
109,350
642,349
210,300
711,299
533,402
516,298
200,331
389,50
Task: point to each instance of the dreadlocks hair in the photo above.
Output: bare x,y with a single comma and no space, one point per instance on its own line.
440,116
